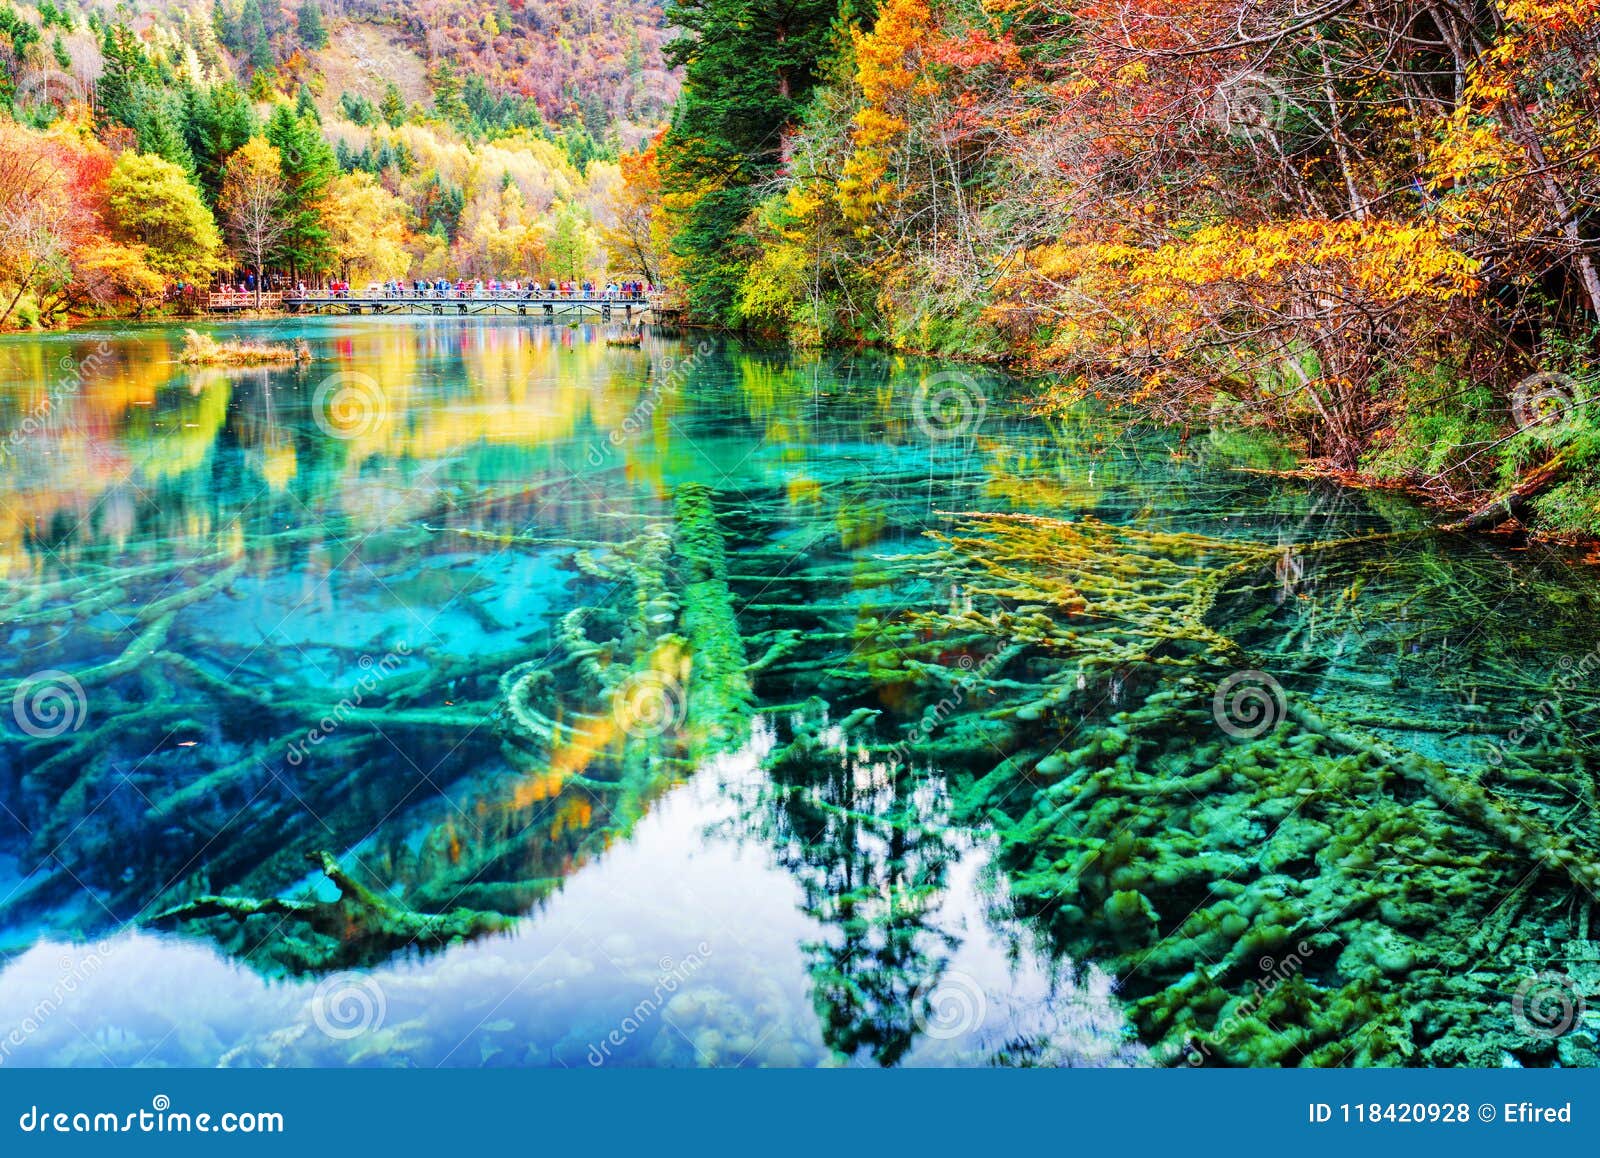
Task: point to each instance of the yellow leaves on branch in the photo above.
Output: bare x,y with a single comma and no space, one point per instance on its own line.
1522,129
884,55
1128,300
366,227
888,71
1472,149
1517,63
1378,261
1552,17
774,290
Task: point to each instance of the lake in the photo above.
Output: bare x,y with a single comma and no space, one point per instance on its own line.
480,694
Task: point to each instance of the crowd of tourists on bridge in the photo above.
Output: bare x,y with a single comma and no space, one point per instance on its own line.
478,288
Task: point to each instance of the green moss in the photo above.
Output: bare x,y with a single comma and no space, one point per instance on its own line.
358,929
721,701
1295,896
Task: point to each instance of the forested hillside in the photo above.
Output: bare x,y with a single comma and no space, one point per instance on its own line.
154,147
1369,223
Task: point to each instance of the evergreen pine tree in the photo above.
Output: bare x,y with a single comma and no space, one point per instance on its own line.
216,122
309,165
254,39
313,30
305,106
226,25
393,106
125,66
749,69
159,125
357,109
447,96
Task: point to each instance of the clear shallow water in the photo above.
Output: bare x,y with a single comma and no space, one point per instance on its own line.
631,685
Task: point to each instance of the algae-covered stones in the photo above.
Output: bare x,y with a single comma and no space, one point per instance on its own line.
1114,741
1053,764
1379,951
1131,916
1578,1049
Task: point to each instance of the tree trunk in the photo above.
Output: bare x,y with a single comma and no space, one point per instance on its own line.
1559,202
11,307
1514,503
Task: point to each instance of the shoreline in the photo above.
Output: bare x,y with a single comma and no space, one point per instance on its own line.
1443,502
1439,500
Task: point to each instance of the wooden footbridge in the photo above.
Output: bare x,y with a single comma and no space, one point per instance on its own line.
548,304
232,301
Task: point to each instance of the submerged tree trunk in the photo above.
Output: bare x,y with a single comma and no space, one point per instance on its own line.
1513,505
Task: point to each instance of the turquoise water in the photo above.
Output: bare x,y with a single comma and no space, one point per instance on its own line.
685,705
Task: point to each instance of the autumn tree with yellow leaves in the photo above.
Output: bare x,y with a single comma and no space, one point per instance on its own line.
367,229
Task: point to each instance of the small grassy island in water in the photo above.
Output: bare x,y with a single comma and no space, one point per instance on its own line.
204,350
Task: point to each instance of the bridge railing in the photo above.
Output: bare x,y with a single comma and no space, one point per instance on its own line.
241,299
451,294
